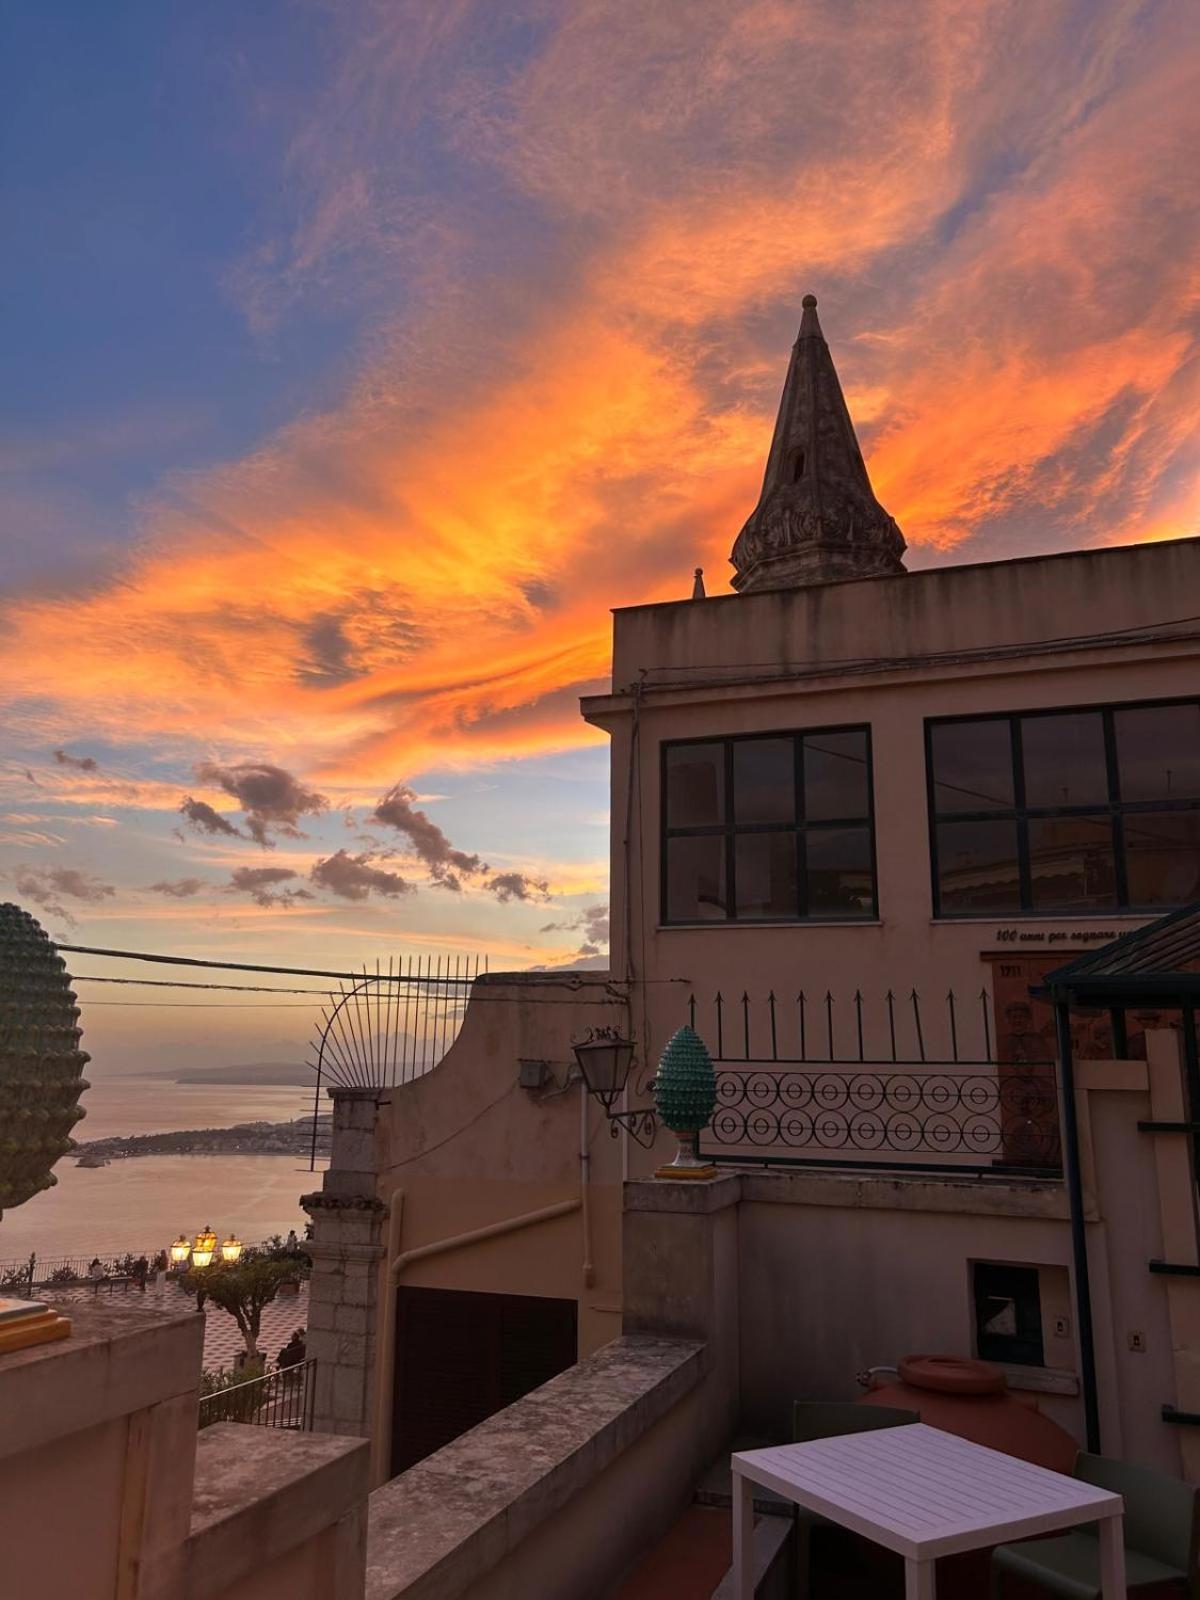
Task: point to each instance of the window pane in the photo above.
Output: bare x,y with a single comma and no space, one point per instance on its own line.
1158,752
977,867
1064,760
764,780
1071,863
839,881
695,785
1162,857
972,766
835,776
695,878
765,874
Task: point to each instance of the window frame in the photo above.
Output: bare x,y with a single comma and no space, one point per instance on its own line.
1021,814
729,830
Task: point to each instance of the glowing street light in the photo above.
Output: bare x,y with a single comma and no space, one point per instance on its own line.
180,1251
204,1248
231,1250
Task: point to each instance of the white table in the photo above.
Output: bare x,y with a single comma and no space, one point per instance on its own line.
924,1494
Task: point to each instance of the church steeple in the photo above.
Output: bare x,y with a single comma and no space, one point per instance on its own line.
817,519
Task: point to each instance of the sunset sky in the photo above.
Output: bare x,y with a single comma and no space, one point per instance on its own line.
361,355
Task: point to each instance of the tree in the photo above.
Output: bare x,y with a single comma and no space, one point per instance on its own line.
243,1289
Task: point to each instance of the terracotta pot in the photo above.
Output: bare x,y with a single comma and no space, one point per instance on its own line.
971,1399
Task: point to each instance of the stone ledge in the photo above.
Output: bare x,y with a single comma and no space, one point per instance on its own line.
258,1493
450,1519
694,1197
117,1360
899,1191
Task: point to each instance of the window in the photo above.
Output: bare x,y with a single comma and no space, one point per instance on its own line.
1008,1314
769,828
1066,812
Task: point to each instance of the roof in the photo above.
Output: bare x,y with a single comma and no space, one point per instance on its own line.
1158,962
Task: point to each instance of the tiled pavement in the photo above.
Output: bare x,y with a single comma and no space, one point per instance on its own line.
222,1339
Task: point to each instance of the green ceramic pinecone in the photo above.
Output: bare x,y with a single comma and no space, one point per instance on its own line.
685,1090
41,1064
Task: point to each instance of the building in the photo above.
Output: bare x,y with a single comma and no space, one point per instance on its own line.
858,813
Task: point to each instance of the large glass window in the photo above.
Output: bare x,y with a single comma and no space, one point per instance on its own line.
772,828
1066,812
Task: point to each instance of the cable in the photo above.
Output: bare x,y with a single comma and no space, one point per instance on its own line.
245,966
180,983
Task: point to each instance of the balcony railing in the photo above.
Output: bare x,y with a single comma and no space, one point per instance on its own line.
812,1082
279,1399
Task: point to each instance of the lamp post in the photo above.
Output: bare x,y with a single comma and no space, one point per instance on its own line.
231,1250
180,1251
204,1248
605,1060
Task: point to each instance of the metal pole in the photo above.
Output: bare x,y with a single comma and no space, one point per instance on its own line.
312,1157
1083,1295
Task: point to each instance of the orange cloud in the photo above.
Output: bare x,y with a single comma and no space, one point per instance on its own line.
421,575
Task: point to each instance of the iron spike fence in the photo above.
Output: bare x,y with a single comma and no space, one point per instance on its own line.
279,1399
391,1026
894,1084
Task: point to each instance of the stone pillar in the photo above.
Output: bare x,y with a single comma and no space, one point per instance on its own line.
346,1249
680,1264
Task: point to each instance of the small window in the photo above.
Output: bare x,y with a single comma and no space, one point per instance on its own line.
798,467
1008,1314
972,766
695,785
1064,760
1158,752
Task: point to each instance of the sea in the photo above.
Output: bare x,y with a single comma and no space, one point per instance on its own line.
143,1202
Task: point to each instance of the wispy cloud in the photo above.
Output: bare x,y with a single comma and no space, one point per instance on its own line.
577,237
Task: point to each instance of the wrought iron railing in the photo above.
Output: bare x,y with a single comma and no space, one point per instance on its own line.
858,1085
279,1399
390,1026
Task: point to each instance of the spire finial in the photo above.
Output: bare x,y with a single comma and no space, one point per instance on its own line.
810,328
698,584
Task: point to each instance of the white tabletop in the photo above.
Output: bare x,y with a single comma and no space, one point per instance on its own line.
925,1493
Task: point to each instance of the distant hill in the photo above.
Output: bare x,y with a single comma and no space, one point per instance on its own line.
252,1072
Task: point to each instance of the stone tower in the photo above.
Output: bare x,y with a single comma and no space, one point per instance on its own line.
817,519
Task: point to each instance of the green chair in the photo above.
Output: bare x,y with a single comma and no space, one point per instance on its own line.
824,1419
1162,1538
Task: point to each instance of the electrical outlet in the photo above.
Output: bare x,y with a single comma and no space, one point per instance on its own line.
1062,1327
1137,1340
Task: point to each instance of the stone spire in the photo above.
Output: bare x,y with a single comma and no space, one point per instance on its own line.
817,519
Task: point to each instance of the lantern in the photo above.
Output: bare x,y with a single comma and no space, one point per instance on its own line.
180,1251
231,1250
604,1059
204,1248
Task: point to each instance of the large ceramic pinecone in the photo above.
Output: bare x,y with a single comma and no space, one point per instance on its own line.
41,1064
685,1088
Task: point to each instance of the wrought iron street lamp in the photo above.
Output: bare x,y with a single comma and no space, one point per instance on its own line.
605,1060
204,1248
231,1250
180,1251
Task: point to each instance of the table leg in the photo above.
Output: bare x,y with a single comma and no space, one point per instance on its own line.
920,1580
743,1537
1112,1558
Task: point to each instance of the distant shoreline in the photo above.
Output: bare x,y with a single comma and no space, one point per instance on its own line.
244,1138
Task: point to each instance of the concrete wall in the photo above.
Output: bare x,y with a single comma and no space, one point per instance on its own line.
108,1493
